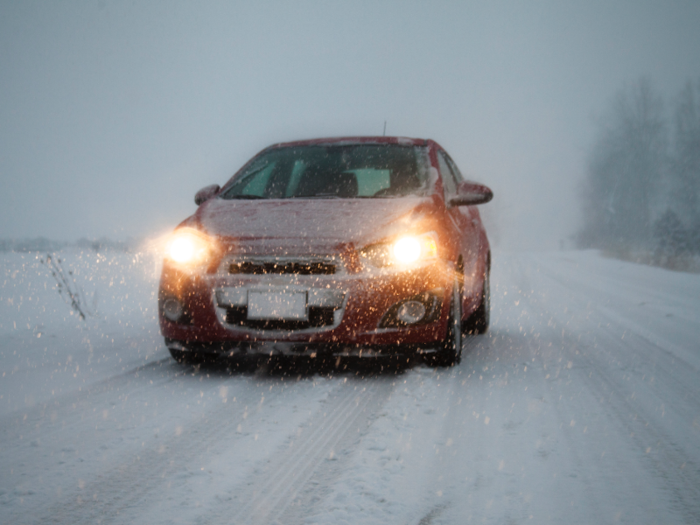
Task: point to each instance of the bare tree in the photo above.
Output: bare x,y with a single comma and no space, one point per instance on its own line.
68,289
626,169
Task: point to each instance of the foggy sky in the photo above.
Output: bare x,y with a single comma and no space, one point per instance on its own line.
112,114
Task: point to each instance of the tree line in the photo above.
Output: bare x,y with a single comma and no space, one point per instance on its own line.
642,187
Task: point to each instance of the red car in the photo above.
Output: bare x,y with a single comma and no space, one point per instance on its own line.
368,246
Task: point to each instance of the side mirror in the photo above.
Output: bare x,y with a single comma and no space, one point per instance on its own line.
470,194
206,193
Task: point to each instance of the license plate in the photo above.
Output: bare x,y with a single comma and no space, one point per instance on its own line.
279,305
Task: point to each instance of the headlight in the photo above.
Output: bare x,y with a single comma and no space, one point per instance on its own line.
404,251
188,247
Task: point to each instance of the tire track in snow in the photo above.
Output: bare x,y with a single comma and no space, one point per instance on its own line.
141,472
676,370
51,432
652,336
670,455
674,465
281,493
12,423
656,363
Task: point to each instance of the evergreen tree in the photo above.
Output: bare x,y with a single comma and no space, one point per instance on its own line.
686,161
671,236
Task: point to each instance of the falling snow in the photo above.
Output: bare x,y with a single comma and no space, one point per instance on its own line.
581,405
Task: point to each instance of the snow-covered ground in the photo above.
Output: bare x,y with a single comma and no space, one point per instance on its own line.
581,405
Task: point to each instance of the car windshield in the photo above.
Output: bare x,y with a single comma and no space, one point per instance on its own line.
333,171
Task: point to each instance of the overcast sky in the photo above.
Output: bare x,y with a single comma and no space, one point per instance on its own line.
113,114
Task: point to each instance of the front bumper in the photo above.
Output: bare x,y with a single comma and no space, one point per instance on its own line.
345,314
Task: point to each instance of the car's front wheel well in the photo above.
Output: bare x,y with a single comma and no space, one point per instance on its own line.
478,322
459,269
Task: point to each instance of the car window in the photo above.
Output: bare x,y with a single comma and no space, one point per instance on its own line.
333,171
371,181
295,176
254,181
448,178
455,170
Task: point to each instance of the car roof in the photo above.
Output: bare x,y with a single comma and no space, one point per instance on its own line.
403,141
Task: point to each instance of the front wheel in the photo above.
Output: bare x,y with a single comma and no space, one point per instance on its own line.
450,352
478,322
184,357
180,356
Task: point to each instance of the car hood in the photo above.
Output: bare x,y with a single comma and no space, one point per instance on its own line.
310,225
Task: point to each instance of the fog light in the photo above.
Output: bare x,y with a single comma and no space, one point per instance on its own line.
410,312
172,309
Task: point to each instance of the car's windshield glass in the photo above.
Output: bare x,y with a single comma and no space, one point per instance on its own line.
333,171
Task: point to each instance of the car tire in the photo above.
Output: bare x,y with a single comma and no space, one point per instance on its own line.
450,352
185,357
180,356
478,322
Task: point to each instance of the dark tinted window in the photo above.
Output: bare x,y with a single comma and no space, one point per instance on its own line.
344,171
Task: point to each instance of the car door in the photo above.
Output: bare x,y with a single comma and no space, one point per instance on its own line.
461,218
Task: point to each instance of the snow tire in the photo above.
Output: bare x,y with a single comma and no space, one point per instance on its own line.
450,353
478,322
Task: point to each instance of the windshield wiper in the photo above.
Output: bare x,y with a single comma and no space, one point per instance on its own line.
246,197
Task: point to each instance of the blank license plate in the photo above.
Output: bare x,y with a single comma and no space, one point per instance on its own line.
277,305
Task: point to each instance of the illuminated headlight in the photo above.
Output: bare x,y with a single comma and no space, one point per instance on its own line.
188,247
406,250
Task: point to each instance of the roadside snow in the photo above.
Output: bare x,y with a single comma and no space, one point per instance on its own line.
45,348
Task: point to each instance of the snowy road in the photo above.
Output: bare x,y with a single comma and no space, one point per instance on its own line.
582,405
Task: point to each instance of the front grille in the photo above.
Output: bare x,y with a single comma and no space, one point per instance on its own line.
319,317
282,268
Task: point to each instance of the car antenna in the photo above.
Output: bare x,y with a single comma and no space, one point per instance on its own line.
384,135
